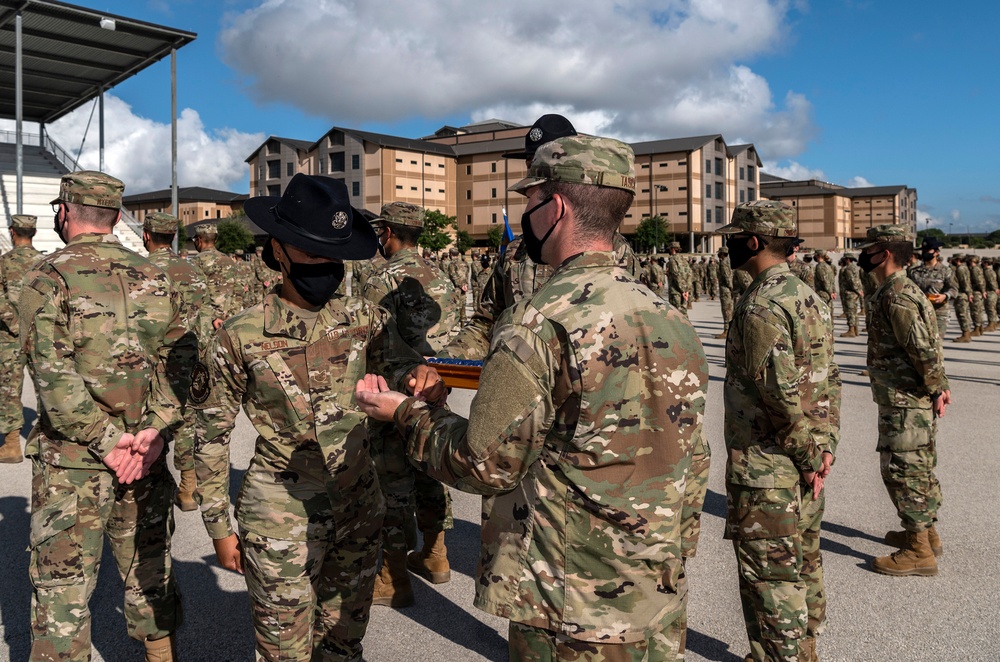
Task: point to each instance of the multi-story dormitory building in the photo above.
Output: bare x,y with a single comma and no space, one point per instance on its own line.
693,183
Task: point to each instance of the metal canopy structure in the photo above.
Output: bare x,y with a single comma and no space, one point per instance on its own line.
70,54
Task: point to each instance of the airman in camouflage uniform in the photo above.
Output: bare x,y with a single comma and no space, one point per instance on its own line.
911,389
935,279
158,232
782,426
581,569
712,275
13,265
220,276
697,278
679,278
458,271
725,275
978,283
101,328
964,298
655,276
310,508
801,270
825,279
809,272
992,291
741,281
851,293
422,301
361,271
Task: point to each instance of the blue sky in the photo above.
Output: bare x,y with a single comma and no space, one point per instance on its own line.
847,91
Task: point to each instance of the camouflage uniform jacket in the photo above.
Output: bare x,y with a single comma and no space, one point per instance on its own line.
964,280
13,265
725,273
825,279
938,279
220,276
976,279
590,402
904,350
990,277
100,325
801,270
265,278
296,383
849,279
655,277
782,392
419,297
458,271
513,278
741,281
190,284
679,274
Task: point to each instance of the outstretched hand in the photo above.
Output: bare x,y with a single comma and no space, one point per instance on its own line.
426,384
376,399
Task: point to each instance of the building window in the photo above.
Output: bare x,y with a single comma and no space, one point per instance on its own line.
468,195
718,167
750,173
274,190
289,169
718,191
708,190
355,161
468,170
322,165
645,215
468,219
751,194
493,168
273,169
708,166
645,190
427,163
440,165
337,162
412,162
206,213
273,147
399,187
493,193
645,166
743,195
413,188
355,188
682,163
708,215
440,190
682,188
493,218
427,190
399,160
718,215
336,138
218,213
664,165
741,173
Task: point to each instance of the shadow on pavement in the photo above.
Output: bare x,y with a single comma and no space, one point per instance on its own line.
217,623
848,532
710,648
15,597
439,614
29,420
715,504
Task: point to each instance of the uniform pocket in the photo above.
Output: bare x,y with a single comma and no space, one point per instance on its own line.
904,429
278,392
56,553
758,513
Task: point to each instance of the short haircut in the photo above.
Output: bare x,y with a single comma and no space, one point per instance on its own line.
23,233
407,234
99,217
599,210
160,237
778,246
901,251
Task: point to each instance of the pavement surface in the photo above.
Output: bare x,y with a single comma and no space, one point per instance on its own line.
871,617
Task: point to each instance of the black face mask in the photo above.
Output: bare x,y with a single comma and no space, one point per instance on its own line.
740,253
59,227
316,283
533,244
381,246
865,262
927,256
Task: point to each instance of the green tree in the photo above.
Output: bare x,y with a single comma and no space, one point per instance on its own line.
234,237
463,241
495,236
931,232
652,233
435,236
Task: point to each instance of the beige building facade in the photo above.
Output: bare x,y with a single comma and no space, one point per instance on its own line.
195,203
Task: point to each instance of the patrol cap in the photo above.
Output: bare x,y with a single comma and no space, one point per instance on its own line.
402,213
91,188
767,218
818,253
23,221
545,129
931,244
207,230
887,232
160,222
582,160
850,256
724,251
674,244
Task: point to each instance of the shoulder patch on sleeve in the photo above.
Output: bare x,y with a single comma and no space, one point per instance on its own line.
761,336
200,384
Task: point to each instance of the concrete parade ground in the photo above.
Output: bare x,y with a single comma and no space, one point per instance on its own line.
870,617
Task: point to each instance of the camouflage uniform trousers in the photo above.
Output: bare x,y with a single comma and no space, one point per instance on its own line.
696,288
531,644
713,288
776,535
941,315
310,599
183,442
12,362
827,299
850,302
72,511
908,456
991,307
677,301
978,309
406,489
726,299
962,312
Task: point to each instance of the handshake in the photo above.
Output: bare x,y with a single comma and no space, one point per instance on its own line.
134,454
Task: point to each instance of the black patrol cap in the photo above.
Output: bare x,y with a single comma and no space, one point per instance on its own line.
545,129
931,244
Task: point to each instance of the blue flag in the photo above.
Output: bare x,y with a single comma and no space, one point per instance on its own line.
508,234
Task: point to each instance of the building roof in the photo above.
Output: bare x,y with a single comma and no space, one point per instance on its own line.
872,191
385,140
244,220
476,127
299,145
68,57
798,189
673,145
186,194
766,178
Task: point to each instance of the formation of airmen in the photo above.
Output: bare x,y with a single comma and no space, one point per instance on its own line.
586,436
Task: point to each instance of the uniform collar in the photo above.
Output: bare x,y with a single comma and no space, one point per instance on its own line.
94,238
589,259
281,319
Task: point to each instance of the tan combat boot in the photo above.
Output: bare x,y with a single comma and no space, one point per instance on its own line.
916,558
898,539
725,332
431,562
161,650
852,332
990,328
965,337
10,452
807,650
392,586
977,331
185,491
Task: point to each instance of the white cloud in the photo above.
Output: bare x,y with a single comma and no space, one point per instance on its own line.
858,182
635,69
137,149
793,170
